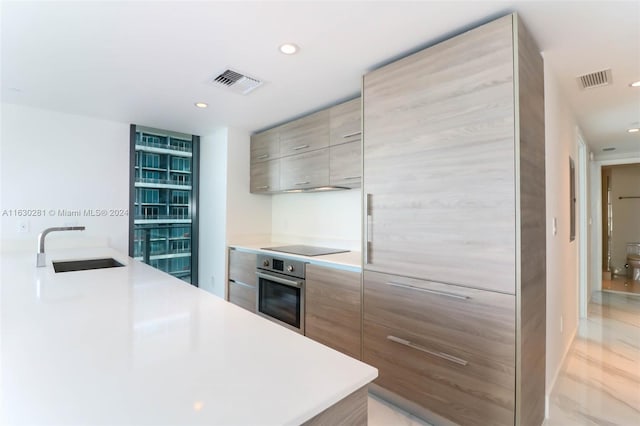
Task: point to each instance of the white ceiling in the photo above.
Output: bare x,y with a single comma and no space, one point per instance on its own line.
148,62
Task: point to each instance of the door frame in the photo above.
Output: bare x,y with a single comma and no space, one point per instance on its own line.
583,214
596,213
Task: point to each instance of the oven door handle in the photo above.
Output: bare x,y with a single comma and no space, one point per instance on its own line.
290,283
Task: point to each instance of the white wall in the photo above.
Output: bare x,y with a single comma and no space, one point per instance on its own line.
228,212
324,218
53,161
562,255
213,218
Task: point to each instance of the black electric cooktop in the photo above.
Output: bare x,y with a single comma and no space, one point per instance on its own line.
306,250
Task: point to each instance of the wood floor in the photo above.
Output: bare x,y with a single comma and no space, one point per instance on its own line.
600,380
621,285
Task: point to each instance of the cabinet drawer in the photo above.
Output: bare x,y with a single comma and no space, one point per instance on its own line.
344,165
265,146
306,170
242,267
462,387
306,134
265,176
243,295
345,120
452,318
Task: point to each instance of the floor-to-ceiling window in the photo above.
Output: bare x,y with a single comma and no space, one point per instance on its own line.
164,195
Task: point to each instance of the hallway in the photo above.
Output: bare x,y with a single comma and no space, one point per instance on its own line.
600,381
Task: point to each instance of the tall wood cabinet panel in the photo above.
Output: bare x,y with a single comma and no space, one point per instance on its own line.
242,284
333,303
305,134
453,186
439,161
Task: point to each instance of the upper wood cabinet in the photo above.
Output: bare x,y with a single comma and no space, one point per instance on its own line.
345,122
345,163
305,134
333,300
295,155
308,170
265,145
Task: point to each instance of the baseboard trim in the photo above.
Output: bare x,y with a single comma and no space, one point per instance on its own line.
549,391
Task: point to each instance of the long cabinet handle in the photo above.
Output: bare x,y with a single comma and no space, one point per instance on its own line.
358,133
244,284
426,290
263,187
368,229
290,283
298,148
351,177
260,157
442,355
302,183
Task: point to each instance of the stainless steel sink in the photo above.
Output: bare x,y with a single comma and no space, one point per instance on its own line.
85,265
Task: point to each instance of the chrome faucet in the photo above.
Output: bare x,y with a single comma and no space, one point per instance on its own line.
42,259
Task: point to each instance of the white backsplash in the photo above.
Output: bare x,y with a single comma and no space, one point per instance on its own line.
321,218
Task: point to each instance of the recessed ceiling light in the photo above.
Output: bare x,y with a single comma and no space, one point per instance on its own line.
635,84
634,130
201,104
289,48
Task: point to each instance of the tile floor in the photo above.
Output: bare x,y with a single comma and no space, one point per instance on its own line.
382,413
600,380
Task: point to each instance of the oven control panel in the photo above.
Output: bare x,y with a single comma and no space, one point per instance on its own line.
283,265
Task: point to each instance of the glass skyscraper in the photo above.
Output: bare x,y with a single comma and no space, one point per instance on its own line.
164,194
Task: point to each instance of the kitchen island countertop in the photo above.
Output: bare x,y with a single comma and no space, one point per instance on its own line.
133,345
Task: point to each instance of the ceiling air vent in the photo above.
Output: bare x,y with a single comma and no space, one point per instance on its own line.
595,79
237,82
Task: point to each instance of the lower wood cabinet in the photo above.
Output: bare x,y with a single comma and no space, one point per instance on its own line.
333,308
242,284
447,348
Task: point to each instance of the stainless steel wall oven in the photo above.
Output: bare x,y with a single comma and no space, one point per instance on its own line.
281,286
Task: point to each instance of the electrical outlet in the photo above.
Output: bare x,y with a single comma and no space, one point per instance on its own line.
561,324
23,227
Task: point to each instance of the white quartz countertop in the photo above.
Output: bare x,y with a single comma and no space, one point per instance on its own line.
349,261
133,345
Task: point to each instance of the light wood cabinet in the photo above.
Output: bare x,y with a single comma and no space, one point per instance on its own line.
333,308
345,122
445,347
285,157
453,185
308,170
345,164
242,284
265,145
305,134
265,176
